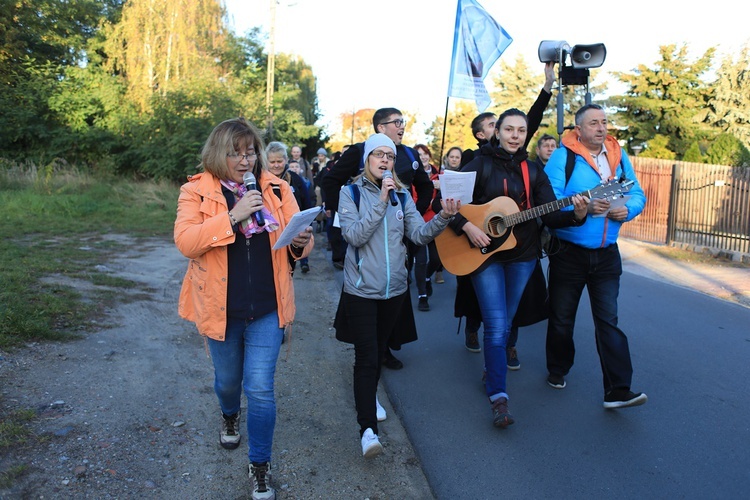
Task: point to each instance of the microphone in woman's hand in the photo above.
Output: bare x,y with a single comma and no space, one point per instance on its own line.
251,185
391,192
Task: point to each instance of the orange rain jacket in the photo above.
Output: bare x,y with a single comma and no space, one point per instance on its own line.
202,232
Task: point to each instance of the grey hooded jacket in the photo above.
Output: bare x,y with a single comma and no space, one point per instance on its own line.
377,230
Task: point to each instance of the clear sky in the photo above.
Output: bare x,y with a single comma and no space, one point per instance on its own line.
398,52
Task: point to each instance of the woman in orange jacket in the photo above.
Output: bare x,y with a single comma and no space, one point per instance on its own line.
238,290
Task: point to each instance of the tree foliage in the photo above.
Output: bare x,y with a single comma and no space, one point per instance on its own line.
161,43
728,107
728,150
693,154
665,100
135,87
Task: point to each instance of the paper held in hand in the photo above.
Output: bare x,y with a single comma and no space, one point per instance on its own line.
457,185
297,224
616,203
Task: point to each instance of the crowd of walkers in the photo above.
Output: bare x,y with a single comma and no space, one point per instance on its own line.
382,208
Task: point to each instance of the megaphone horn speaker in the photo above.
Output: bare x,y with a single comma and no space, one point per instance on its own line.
549,50
588,56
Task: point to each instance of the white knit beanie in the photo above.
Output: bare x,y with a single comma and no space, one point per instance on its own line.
375,141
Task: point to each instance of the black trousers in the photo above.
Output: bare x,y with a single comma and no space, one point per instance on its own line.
372,320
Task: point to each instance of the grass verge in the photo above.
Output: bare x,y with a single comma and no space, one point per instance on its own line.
59,225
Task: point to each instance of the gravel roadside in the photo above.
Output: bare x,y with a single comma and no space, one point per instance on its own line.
129,411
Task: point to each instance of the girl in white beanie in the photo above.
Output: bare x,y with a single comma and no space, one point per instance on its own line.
375,277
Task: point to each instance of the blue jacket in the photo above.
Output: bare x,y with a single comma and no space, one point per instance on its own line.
597,232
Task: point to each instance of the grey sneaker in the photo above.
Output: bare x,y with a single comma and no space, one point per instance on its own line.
230,431
260,475
501,416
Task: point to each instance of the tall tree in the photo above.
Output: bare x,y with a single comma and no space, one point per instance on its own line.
355,127
728,108
160,43
665,100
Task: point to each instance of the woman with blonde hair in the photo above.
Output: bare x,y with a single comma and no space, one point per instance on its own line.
376,213
238,290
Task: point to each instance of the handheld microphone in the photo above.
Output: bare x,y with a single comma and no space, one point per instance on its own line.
391,193
251,185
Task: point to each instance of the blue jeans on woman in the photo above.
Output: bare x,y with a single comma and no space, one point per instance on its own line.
499,288
246,360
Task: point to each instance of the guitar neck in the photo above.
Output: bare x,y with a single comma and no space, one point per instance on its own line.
533,213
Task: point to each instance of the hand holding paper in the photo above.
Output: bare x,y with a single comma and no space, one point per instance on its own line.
457,185
296,225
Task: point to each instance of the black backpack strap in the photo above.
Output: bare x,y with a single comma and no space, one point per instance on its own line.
570,163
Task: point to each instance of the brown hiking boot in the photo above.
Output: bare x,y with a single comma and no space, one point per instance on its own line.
501,417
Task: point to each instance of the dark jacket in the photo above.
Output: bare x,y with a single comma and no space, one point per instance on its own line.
506,179
349,164
535,115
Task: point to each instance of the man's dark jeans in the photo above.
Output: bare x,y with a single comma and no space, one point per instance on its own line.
570,269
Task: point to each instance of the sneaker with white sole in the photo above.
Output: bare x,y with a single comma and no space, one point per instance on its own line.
380,411
260,475
230,431
623,398
556,381
371,446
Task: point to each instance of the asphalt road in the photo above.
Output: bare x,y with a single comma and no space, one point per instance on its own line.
690,355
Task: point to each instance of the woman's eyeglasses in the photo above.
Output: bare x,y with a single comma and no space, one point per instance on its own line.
239,157
380,154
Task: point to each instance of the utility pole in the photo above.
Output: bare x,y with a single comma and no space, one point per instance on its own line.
270,70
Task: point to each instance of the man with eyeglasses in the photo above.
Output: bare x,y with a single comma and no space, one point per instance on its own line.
409,169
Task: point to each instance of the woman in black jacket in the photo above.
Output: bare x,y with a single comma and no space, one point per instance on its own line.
502,170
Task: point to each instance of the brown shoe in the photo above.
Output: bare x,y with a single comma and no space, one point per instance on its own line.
501,417
511,355
472,341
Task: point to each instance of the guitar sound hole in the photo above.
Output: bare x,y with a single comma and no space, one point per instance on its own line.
496,227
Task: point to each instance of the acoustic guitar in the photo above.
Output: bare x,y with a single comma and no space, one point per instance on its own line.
497,218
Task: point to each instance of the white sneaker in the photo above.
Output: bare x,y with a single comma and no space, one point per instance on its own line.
371,446
379,411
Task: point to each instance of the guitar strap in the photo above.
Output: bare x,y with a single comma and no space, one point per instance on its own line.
525,173
485,176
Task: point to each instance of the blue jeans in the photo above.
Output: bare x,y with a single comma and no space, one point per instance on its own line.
599,270
246,360
499,288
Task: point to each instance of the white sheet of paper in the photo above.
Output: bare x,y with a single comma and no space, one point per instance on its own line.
297,224
616,203
457,185
336,222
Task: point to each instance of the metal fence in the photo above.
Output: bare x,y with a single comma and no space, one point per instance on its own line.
693,203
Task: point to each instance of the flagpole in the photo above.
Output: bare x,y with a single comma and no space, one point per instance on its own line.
445,125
